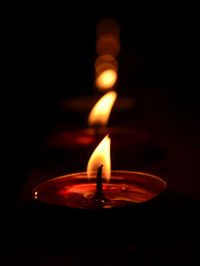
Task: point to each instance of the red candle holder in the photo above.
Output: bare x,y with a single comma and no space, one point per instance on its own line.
79,138
77,191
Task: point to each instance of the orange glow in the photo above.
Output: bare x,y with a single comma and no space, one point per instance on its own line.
106,72
100,156
105,62
107,79
107,47
108,26
108,44
101,111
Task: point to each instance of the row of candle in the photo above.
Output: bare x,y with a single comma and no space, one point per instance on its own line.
100,187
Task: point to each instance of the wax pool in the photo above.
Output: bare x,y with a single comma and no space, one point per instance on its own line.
77,191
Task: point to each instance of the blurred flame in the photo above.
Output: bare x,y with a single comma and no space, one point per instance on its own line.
107,47
106,79
100,156
108,44
101,111
108,26
105,62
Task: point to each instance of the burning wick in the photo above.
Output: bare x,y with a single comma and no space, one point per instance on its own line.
99,197
84,191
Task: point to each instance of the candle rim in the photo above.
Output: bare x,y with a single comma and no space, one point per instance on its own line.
112,171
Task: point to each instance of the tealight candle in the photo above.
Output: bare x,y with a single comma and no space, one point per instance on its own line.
100,188
97,121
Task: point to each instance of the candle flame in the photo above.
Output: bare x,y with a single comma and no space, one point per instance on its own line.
108,33
108,44
106,80
100,156
101,111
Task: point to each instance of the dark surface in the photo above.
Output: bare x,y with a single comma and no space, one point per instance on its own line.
157,67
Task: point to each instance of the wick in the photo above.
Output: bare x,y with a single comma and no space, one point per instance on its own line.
99,188
99,194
